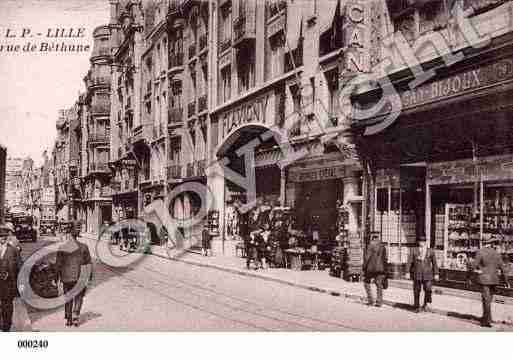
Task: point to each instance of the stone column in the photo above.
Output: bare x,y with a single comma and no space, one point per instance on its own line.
283,183
351,183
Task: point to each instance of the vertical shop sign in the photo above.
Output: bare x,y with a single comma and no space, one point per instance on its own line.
355,37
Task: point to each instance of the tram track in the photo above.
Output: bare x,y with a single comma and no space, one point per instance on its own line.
217,298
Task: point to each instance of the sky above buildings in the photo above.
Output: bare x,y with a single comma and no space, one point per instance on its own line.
35,85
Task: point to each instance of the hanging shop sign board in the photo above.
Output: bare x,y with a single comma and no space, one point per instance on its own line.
493,168
317,174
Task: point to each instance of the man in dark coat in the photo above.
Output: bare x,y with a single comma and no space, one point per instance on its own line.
422,269
374,267
73,257
206,241
244,231
10,264
487,264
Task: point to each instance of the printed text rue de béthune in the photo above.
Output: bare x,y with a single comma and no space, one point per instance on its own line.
27,39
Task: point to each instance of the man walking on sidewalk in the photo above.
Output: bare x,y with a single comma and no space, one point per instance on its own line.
374,267
422,269
72,258
487,264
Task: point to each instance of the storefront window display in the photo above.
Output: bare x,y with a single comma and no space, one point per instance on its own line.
464,214
400,212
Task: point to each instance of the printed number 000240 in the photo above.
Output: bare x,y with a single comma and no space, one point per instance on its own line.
32,344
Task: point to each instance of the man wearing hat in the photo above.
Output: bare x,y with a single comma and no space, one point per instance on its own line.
487,264
422,269
10,264
73,257
13,241
374,267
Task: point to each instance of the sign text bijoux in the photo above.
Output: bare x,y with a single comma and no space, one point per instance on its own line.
459,83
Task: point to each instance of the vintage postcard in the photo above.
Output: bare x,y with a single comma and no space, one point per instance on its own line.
256,165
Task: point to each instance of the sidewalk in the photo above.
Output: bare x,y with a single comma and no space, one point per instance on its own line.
466,306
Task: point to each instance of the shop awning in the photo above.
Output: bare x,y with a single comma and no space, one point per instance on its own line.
326,13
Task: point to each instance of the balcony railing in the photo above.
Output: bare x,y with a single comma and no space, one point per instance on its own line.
99,81
191,109
175,116
203,39
137,134
99,137
196,168
99,167
202,103
174,171
192,51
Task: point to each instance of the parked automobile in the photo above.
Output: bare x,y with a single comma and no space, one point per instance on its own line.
24,227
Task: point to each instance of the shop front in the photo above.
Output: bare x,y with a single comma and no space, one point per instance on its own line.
443,168
183,207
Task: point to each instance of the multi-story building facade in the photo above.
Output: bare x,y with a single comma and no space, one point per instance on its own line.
128,147
154,101
276,78
14,183
47,199
439,163
65,162
28,165
93,131
188,24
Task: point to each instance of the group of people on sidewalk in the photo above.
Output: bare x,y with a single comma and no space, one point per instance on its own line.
73,257
422,269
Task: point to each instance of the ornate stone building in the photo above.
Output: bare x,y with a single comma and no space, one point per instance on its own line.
94,125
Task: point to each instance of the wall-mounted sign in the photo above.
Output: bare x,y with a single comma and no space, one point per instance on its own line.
356,19
493,168
317,174
459,84
251,111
